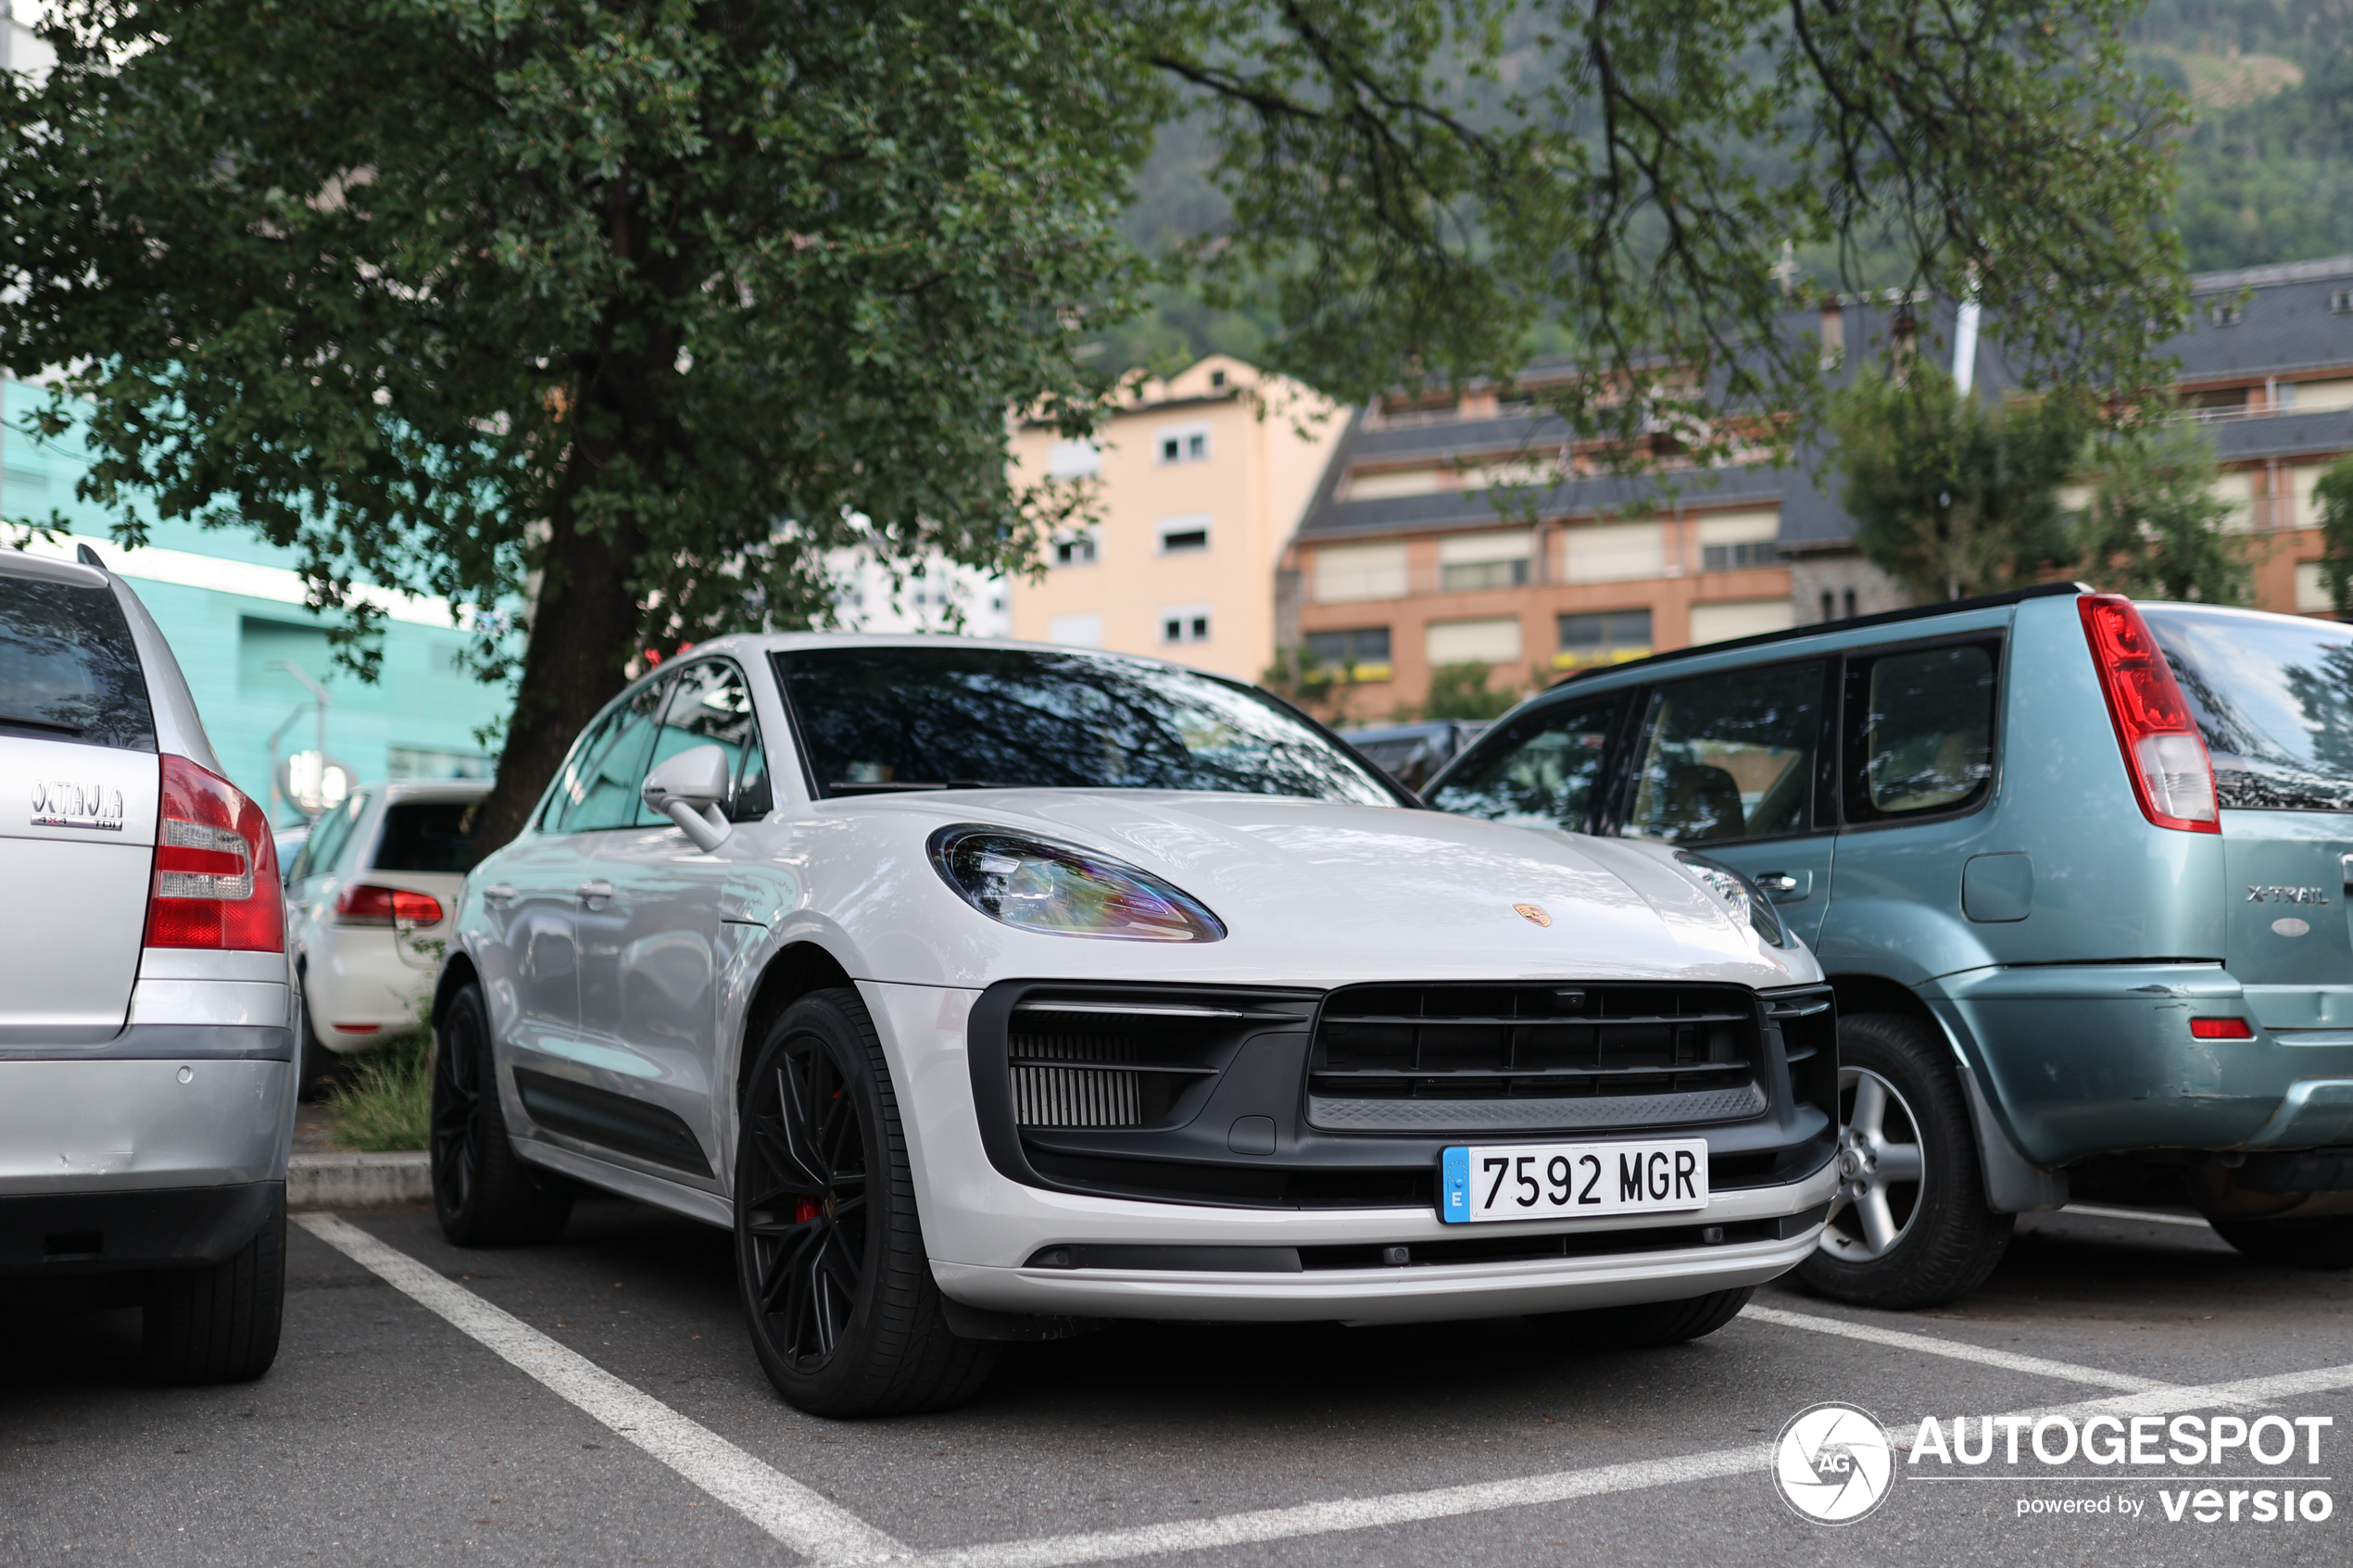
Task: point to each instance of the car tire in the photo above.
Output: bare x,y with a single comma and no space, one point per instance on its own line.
483,1194
2324,1243
219,1323
830,1260
1893,1243
1647,1325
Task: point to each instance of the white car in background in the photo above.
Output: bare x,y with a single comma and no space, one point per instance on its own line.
987,991
368,899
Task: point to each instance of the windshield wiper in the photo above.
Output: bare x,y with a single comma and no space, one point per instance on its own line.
842,787
22,722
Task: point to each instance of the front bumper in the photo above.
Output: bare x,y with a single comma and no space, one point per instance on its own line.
2081,1060
986,1231
1425,1292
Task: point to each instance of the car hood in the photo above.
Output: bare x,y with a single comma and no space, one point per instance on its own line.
1319,893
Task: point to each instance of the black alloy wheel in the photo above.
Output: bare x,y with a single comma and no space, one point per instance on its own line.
837,1288
483,1194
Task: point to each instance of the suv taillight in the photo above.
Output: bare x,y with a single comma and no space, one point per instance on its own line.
2163,752
216,882
363,903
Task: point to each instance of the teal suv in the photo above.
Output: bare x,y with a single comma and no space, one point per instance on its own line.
2078,869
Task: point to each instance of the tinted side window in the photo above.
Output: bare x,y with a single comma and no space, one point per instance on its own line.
428,836
1920,732
711,705
600,781
69,669
1728,757
1538,769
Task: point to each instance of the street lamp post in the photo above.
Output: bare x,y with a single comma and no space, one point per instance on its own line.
319,695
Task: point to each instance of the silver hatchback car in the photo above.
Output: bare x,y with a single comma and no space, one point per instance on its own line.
146,1017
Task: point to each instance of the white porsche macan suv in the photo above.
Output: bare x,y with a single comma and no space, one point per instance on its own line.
989,991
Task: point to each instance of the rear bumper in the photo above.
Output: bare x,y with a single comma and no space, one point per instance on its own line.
61,1235
153,1123
356,976
2080,1059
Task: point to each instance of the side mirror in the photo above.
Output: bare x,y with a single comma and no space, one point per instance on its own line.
689,789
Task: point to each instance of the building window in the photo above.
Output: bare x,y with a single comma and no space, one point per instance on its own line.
1074,549
2341,302
1467,577
1850,603
1183,535
1610,636
1735,558
1184,443
1074,459
1076,631
2223,312
1361,652
1186,624
1218,379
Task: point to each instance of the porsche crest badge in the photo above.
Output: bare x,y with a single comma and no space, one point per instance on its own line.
1532,913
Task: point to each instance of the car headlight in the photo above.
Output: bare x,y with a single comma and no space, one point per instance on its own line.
1747,901
1061,889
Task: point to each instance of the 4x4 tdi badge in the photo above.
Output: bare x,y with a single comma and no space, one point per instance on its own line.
61,803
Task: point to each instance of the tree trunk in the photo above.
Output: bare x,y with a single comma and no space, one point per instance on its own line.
583,635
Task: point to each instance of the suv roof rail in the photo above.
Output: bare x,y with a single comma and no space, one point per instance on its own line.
1885,618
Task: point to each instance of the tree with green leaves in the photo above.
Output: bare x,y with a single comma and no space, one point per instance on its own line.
2154,528
1463,691
2332,494
1953,495
624,311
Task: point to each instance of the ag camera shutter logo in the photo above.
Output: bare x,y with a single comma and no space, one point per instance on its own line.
1834,1463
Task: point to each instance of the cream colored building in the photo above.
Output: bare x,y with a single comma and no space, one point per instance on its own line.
1202,481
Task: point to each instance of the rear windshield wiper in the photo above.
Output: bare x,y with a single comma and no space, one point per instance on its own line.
19,722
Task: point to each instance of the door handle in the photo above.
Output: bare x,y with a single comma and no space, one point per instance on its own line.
498,892
593,893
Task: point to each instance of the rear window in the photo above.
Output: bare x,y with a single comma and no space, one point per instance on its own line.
428,836
2273,698
69,669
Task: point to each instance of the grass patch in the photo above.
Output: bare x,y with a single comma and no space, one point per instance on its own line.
387,1103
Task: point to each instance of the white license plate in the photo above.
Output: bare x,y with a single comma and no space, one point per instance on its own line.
1551,1181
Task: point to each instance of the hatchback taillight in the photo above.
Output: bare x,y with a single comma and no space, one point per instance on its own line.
364,903
2172,776
216,880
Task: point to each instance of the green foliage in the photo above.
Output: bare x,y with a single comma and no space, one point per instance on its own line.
2154,528
1460,691
1952,496
2272,180
628,310
1321,689
387,1102
2333,493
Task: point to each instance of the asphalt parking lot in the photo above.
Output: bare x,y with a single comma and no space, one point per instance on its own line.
595,1402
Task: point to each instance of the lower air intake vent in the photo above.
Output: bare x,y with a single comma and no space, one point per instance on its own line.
1087,1064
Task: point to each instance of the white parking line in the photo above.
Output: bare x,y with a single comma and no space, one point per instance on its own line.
2098,1213
812,1526
2098,1377
1358,1514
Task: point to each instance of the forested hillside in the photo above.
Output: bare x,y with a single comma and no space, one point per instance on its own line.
2266,168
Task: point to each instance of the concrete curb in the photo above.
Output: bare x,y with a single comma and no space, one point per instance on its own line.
358,1181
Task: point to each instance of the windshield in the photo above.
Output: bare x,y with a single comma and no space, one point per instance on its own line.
2273,696
881,718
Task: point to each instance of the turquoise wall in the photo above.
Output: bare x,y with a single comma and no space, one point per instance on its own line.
419,718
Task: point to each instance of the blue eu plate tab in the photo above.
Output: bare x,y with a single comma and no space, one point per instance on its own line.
1453,1187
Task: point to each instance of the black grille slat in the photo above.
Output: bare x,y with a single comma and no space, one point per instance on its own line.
1533,1043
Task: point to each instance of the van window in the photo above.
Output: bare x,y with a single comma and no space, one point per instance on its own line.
1538,769
428,836
2273,697
1730,755
69,669
1921,731
328,837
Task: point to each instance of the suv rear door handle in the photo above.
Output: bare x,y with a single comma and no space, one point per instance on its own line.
593,893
